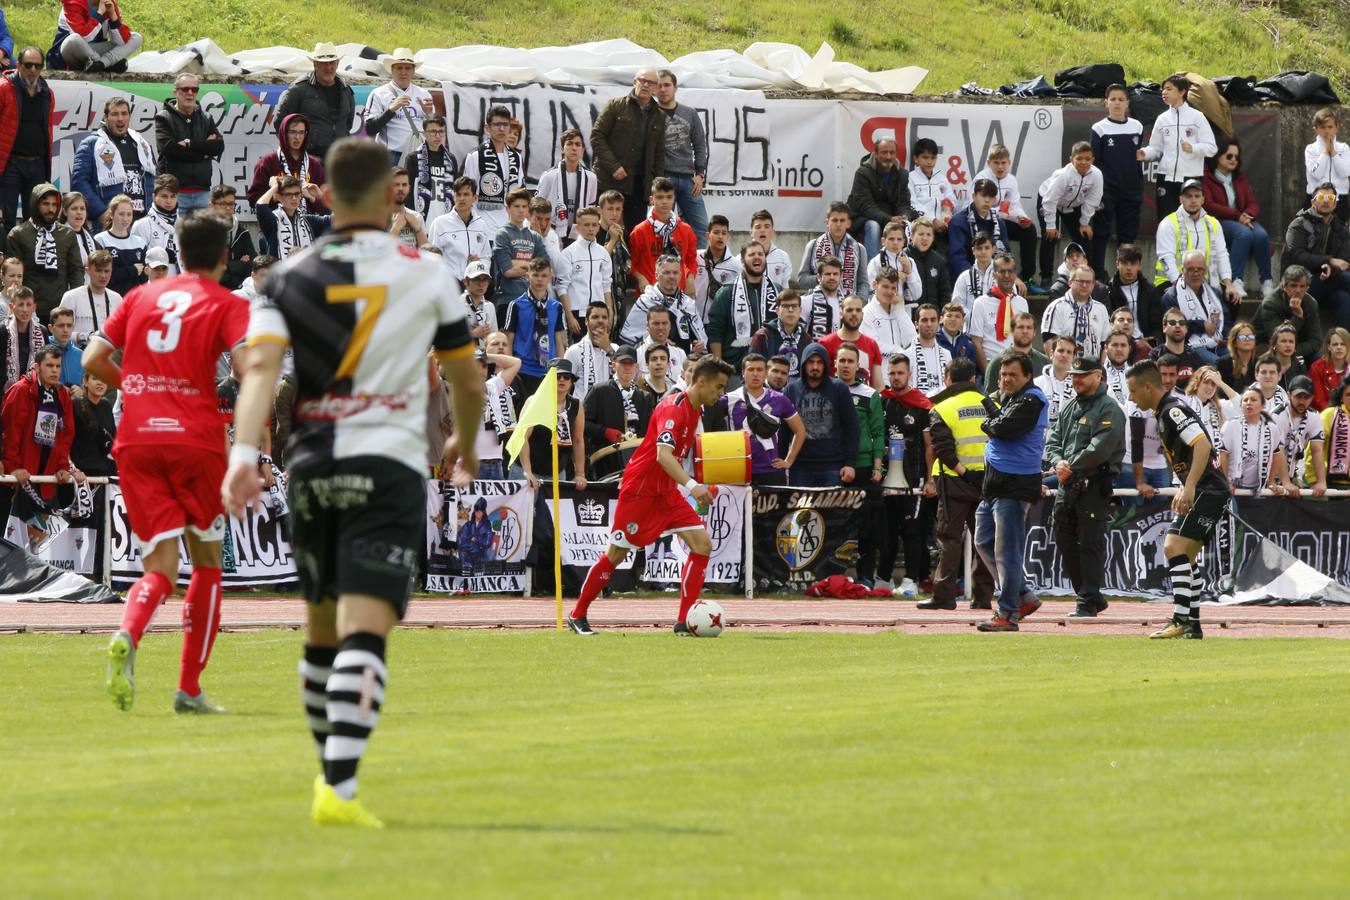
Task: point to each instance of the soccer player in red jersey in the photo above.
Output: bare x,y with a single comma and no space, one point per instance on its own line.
170,446
650,505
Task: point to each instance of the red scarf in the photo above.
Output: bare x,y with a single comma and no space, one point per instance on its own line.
912,397
1003,322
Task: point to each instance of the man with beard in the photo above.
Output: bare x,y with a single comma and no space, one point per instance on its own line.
1201,305
113,160
928,359
786,335
820,308
739,308
826,408
628,143
767,415
617,410
906,414
50,253
660,322
688,331
849,332
590,356
292,157
1304,447
993,315
1085,448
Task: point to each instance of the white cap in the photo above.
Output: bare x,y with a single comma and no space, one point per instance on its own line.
477,269
157,258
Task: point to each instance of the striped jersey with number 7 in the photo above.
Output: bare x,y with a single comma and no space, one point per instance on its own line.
361,311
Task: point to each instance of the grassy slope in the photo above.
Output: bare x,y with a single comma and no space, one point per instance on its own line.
1148,37
755,765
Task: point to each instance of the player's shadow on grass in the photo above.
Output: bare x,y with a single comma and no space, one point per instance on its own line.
566,828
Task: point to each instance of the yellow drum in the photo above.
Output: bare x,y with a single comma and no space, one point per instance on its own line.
722,457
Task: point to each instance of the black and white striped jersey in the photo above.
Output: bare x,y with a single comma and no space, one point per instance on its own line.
360,311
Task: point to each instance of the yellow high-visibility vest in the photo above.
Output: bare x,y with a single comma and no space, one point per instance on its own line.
963,414
1182,243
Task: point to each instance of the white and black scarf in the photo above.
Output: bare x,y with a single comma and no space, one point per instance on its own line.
36,338
115,172
302,173
1199,307
570,202
1296,444
1262,444
664,232
44,247
821,317
630,416
162,230
1210,414
500,412
494,183
293,235
742,315
928,377
1115,381
847,253
594,366
433,190
1338,443
995,233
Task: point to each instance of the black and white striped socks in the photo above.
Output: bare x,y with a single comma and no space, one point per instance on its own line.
315,667
1185,599
355,695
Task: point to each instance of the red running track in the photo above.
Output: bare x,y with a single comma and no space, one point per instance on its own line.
1123,618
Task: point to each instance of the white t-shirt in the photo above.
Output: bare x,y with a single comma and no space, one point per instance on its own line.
982,323
928,366
403,132
91,310
1246,445
488,444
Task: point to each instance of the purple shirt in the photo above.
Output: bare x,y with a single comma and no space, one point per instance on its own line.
763,451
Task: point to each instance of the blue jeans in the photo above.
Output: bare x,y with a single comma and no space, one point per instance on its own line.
1333,298
692,209
871,238
1158,478
491,470
1243,242
799,477
188,201
1001,539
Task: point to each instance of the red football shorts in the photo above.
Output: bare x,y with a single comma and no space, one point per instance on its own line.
170,488
639,521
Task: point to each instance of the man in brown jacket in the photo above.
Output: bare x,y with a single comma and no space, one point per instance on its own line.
628,142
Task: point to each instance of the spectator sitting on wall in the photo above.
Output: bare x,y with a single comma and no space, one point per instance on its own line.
114,160
1320,243
880,193
91,37
1230,199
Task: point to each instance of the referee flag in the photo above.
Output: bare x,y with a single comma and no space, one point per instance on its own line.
540,410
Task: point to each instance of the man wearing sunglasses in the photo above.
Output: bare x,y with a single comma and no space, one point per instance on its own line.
26,106
628,141
91,37
1319,243
188,142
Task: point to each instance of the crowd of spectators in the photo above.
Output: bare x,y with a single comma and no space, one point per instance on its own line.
616,273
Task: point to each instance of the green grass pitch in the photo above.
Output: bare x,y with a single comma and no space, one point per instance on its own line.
761,764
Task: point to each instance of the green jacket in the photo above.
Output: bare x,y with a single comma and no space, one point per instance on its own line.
722,323
871,430
623,136
1089,434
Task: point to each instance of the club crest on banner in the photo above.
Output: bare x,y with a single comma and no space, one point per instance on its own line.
799,537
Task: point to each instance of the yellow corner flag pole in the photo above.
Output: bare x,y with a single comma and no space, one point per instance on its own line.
557,534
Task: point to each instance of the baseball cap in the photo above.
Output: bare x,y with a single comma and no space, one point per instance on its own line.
477,269
625,351
1300,384
1192,183
157,258
1085,364
1074,247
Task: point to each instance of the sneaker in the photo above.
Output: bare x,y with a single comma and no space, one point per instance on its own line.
1102,605
884,585
1268,288
681,629
122,670
1171,630
1027,608
330,809
119,67
1193,633
580,626
94,66
1237,283
934,603
1084,611
185,703
906,589
1035,289
997,623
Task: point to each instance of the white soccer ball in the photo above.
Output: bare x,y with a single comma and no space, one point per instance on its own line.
706,619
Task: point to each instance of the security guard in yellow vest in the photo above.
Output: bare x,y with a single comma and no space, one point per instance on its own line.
958,446
1187,229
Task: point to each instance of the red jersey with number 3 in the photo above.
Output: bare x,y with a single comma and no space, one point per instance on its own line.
673,424
171,332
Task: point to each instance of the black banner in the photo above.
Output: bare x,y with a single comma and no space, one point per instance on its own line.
1315,532
802,536
27,578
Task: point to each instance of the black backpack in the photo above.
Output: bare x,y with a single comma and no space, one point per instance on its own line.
1089,81
1238,90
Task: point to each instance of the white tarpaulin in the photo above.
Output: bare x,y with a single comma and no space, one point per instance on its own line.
763,66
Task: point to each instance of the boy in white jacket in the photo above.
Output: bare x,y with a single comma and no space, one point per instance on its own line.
1180,143
1327,160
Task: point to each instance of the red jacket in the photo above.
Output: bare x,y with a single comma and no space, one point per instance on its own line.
83,19
1216,198
642,245
1325,380
20,415
10,88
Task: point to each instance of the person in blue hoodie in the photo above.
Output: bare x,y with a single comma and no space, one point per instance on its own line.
1012,485
826,408
978,217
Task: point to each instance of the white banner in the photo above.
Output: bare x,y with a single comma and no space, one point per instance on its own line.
477,538
725,521
67,548
789,156
585,523
260,546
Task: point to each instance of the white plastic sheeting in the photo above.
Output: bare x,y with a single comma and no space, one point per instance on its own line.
763,66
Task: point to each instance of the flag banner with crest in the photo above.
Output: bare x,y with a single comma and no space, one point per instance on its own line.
478,537
802,535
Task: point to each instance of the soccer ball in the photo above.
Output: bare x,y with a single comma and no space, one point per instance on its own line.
706,619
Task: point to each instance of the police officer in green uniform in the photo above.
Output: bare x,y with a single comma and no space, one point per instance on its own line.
1086,446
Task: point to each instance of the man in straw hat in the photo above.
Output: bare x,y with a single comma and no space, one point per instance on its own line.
323,98
396,112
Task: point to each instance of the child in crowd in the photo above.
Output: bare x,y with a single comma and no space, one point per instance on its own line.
1328,160
929,261
892,256
1021,228
976,281
1115,142
930,195
1067,201
777,265
717,265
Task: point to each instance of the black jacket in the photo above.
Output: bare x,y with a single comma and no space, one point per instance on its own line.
240,265
1274,311
937,281
1016,418
871,199
304,96
1148,313
191,165
907,422
604,409
1310,242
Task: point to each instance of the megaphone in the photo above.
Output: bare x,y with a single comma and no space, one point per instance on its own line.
895,464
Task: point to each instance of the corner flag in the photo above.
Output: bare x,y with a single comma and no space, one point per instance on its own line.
541,410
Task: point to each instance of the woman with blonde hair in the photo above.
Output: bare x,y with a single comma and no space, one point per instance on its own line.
1331,367
1238,368
1213,401
1252,455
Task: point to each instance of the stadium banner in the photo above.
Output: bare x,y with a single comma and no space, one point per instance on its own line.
725,521
62,547
1135,563
478,538
586,520
762,152
28,579
801,535
1311,551
257,552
